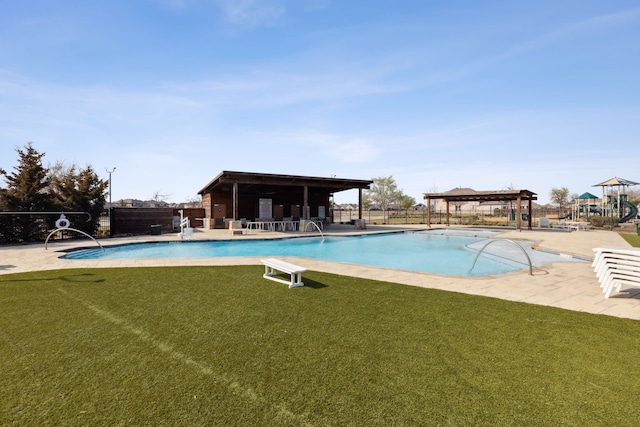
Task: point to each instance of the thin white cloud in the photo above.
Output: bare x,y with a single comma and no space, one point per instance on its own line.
274,87
599,22
344,148
175,4
372,97
354,151
448,71
313,5
572,29
252,13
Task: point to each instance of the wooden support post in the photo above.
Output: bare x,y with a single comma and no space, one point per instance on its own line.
235,200
305,203
447,204
519,214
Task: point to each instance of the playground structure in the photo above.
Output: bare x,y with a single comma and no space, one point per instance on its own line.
585,205
615,200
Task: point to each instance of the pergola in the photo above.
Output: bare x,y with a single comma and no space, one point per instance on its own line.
467,195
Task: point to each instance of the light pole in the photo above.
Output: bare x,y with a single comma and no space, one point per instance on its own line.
110,172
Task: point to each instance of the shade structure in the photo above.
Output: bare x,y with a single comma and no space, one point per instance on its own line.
471,195
615,181
616,204
587,195
234,195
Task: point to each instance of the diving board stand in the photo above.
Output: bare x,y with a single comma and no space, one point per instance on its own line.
272,266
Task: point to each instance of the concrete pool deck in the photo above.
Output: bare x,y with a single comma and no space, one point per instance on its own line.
568,285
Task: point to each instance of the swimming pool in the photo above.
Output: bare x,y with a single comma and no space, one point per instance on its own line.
414,251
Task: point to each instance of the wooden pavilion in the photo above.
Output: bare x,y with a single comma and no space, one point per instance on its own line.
468,195
253,196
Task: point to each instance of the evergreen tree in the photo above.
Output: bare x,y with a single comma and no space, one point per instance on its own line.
33,188
80,191
26,192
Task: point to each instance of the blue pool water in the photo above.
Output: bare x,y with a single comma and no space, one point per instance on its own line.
423,252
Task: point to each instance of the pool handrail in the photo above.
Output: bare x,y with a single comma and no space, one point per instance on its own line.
73,229
316,225
506,240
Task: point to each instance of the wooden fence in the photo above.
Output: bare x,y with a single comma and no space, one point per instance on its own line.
137,221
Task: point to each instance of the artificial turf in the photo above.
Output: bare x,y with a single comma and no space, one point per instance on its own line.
632,239
222,346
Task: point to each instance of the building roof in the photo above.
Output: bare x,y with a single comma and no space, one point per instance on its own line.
266,182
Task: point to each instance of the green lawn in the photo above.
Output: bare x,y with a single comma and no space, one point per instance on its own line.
221,346
632,239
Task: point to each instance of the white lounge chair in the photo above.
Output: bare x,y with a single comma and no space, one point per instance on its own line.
615,267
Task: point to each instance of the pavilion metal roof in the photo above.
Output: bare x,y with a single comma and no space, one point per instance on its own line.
267,181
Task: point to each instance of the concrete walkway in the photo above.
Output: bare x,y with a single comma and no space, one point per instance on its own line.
571,286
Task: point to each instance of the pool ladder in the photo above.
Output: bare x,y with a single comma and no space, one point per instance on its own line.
504,240
185,226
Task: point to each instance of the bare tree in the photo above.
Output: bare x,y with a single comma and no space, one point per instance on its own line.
634,196
407,201
432,202
159,197
560,197
384,192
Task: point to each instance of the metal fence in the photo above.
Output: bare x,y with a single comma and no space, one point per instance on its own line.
419,216
104,226
372,216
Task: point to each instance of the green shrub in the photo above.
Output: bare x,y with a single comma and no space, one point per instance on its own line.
599,221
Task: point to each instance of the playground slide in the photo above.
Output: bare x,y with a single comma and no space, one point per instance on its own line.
630,215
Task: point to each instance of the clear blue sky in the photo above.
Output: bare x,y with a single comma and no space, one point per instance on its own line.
482,94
